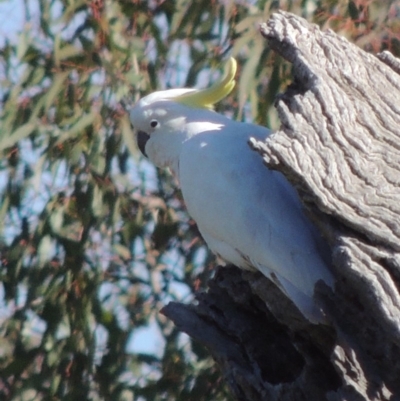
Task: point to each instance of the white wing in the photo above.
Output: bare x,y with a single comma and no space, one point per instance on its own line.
250,215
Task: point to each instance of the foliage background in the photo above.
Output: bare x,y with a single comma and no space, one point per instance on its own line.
93,240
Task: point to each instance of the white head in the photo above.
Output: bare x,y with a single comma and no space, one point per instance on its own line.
165,119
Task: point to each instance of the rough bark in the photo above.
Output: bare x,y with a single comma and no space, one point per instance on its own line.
339,144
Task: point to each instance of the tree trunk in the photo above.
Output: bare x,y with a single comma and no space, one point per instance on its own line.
339,145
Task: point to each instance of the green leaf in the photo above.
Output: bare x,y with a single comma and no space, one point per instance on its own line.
122,251
20,133
97,202
77,128
45,250
57,86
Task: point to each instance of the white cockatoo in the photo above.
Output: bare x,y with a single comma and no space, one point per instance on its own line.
249,215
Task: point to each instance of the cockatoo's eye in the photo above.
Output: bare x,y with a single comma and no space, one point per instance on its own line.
153,123
142,138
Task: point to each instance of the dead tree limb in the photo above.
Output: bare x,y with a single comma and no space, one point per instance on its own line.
339,144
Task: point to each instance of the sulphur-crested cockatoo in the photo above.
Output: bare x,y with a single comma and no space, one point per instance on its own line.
248,215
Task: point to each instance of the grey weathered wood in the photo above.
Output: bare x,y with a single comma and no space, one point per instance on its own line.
339,144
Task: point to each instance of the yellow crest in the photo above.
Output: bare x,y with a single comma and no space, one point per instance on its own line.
206,98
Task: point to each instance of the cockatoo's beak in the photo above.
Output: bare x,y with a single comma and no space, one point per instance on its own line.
142,138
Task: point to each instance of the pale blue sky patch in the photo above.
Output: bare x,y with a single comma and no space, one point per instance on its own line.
33,329
12,19
101,336
178,64
5,309
147,340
